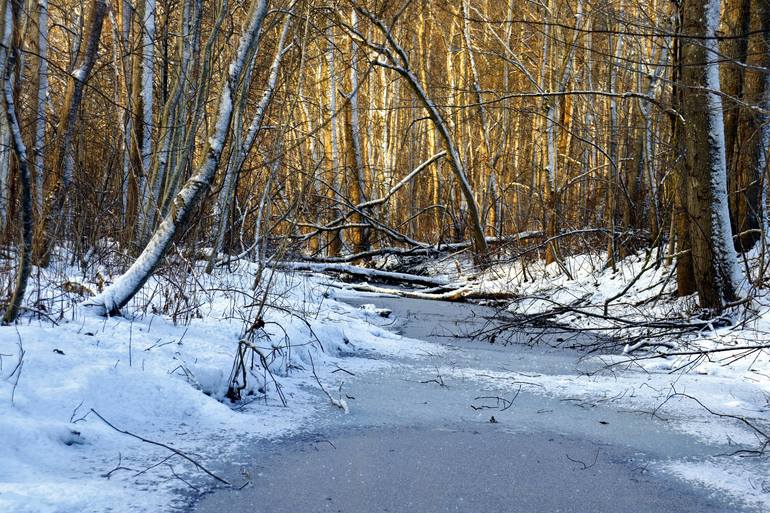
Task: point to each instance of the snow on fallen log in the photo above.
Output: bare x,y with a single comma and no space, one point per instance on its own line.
458,294
363,272
427,249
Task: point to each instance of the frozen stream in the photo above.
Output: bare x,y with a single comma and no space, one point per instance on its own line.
412,445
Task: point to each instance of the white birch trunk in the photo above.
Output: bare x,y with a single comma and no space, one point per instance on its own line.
242,147
5,167
126,286
355,125
721,234
145,205
24,266
400,63
42,99
332,94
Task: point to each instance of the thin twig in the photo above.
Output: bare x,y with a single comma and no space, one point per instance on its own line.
159,444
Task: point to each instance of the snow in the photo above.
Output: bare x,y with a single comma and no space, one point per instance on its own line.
725,477
162,372
163,376
658,379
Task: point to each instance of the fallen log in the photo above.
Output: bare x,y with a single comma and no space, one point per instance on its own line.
459,294
426,249
363,272
450,295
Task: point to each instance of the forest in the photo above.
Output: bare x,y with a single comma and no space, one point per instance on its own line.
594,170
342,132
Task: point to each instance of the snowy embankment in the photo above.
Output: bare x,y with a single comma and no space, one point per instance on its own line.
709,378
636,303
164,381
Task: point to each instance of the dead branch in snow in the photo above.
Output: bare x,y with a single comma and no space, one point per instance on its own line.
501,403
339,402
759,432
584,465
179,453
241,369
363,272
423,249
459,294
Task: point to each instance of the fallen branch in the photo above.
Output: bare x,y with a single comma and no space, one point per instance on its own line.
424,248
584,464
459,294
740,418
159,444
334,224
339,403
363,272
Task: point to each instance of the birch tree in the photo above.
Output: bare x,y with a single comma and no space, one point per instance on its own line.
64,151
42,99
147,204
393,56
118,294
243,145
8,56
713,254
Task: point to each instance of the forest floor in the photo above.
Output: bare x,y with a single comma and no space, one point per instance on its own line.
164,381
72,406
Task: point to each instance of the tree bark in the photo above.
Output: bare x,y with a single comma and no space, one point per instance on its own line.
42,97
400,64
124,288
713,254
64,153
25,250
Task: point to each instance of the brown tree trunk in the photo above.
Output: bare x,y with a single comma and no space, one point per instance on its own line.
740,124
64,150
713,254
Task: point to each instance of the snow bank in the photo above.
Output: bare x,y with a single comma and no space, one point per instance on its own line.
161,372
663,373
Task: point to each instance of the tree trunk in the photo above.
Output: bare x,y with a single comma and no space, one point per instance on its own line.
64,153
355,150
400,64
242,149
42,97
25,251
713,254
124,288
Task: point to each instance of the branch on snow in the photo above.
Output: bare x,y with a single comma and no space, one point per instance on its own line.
362,272
159,444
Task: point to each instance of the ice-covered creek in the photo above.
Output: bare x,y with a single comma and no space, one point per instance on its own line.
411,445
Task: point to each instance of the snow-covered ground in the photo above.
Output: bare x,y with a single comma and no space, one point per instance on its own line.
717,367
636,302
164,381
710,380
162,371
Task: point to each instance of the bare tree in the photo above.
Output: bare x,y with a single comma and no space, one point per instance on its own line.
7,65
120,293
64,151
393,56
713,254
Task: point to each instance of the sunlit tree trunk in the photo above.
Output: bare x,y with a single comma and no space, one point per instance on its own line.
126,286
42,97
64,150
146,208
